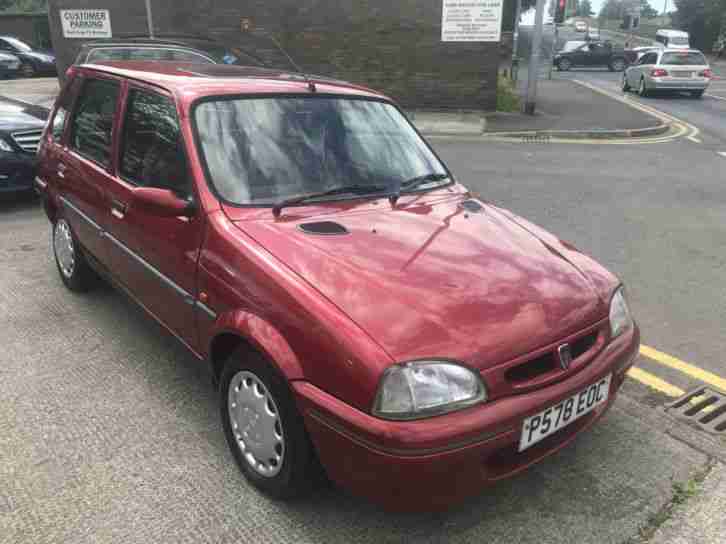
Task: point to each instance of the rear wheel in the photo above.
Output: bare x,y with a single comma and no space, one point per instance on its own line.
27,70
697,94
264,429
626,85
642,89
72,266
564,65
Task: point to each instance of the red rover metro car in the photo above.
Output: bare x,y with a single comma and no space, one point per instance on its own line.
360,310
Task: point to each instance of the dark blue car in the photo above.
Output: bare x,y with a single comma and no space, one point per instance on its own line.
21,126
32,62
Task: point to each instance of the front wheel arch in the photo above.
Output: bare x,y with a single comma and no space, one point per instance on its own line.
249,332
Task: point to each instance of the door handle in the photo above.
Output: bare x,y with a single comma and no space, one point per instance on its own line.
118,208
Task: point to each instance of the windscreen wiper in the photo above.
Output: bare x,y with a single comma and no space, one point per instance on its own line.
357,189
415,182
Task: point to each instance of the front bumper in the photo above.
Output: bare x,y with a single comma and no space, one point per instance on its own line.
17,172
433,463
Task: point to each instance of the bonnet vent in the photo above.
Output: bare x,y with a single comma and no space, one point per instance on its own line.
323,228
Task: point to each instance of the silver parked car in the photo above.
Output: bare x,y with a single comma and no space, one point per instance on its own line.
669,70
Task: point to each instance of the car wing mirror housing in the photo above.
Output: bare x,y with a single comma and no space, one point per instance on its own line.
161,203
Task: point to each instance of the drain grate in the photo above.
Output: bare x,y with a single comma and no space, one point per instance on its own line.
705,407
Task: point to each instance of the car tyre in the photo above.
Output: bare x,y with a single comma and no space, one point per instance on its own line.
264,430
697,94
626,85
642,89
564,65
618,65
72,266
27,70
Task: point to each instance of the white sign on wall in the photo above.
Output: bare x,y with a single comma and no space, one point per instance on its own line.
471,21
86,23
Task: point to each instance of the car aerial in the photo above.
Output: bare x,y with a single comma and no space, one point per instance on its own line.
358,308
9,65
580,26
680,70
591,54
21,126
164,47
32,62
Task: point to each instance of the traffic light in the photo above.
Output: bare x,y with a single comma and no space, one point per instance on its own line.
560,12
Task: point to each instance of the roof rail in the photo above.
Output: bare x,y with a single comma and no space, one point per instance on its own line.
170,35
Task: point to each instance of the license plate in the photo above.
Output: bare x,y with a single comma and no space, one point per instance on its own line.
549,421
682,74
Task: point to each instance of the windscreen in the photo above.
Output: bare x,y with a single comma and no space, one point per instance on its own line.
689,58
259,151
680,40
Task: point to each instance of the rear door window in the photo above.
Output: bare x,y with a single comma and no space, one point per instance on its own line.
687,58
92,128
153,152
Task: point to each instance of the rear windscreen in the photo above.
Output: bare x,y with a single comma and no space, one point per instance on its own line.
683,59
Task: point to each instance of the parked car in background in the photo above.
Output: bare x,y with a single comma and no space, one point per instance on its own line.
9,65
592,54
32,62
355,303
672,39
21,127
669,70
580,26
176,48
592,34
571,46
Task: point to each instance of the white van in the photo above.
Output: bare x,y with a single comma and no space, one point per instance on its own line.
672,39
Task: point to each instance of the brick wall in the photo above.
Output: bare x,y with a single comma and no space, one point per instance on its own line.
391,45
21,26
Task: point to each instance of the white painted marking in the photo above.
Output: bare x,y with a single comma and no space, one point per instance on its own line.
722,153
716,97
694,139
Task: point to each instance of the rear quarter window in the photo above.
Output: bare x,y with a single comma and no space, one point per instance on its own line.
93,121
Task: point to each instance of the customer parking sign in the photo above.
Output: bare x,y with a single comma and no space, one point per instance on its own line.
86,23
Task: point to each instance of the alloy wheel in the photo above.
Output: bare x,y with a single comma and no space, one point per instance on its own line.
256,423
64,248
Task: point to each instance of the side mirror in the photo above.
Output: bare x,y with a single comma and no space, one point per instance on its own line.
161,203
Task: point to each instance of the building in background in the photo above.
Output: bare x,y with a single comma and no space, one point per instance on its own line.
391,45
31,28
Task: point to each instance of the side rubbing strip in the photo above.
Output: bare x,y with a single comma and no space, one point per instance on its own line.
83,216
207,310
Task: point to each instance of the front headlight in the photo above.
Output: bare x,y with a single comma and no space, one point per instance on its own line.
4,146
620,318
424,388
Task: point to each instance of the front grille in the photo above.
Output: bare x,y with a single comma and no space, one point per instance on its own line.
549,362
28,140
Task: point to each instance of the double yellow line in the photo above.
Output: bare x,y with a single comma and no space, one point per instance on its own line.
654,382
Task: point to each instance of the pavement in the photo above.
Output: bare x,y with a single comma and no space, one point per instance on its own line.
564,105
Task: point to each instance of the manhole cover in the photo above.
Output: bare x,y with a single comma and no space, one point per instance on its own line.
704,407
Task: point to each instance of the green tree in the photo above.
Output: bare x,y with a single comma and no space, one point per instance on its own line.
611,9
585,9
646,10
24,6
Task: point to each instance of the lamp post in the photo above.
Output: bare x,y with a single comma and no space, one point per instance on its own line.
149,18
